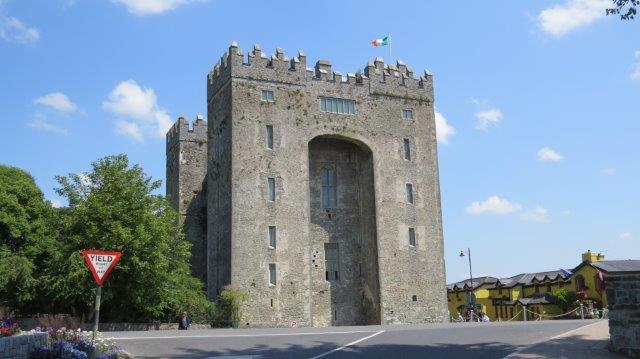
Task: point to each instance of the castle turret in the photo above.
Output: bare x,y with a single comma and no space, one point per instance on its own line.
186,172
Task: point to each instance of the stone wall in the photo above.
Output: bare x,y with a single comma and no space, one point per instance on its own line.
623,295
186,152
411,280
19,346
353,298
219,190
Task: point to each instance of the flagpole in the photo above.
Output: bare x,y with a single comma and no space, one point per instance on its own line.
390,60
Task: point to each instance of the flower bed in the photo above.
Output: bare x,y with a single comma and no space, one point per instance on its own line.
8,327
75,344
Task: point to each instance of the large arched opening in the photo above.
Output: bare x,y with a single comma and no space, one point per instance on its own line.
342,233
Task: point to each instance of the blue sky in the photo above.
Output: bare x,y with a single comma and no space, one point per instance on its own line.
537,102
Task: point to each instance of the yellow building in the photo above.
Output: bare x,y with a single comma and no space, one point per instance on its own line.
587,278
507,298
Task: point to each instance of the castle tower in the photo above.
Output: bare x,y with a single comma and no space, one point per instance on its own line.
186,153
323,191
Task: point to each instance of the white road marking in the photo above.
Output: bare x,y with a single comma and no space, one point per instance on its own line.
347,345
513,355
245,335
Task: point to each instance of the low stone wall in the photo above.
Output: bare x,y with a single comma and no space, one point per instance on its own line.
19,346
623,295
28,323
119,327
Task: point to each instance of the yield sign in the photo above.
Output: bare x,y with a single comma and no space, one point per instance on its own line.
101,263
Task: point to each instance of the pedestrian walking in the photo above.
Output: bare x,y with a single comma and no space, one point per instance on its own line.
459,318
184,322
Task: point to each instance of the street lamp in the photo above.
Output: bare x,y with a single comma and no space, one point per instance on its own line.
471,296
470,273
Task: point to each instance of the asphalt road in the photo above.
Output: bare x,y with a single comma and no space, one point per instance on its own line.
450,341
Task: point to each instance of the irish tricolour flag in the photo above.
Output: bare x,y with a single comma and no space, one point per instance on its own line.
381,42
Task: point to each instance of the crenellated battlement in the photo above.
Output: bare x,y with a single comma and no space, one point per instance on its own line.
383,79
182,130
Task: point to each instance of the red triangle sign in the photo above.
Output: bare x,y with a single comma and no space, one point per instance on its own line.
101,263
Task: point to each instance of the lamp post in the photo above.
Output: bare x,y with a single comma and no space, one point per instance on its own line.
471,295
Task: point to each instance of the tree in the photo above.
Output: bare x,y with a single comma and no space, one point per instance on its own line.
625,8
114,207
564,298
25,238
231,300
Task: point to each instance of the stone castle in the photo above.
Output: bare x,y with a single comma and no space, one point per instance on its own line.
314,192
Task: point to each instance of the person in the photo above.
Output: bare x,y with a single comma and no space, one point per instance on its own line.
485,318
459,318
184,322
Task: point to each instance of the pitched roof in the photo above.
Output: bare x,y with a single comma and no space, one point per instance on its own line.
528,278
618,266
477,282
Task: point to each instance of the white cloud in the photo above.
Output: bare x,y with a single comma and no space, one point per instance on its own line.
538,215
625,236
57,101
12,29
129,99
443,128
150,7
138,103
41,124
560,19
163,123
488,118
635,74
129,129
493,205
547,154
502,206
56,203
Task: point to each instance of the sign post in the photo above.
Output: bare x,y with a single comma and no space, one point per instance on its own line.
100,263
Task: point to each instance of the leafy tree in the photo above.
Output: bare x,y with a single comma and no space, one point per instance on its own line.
25,239
114,207
564,298
625,8
230,301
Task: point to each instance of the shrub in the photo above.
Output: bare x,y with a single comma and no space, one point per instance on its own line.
564,298
8,327
230,301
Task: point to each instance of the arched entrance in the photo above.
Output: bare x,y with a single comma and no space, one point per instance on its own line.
342,233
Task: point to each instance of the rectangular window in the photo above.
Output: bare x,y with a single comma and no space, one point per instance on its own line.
329,188
408,193
407,114
270,137
272,274
271,184
337,105
267,96
272,236
331,261
407,149
412,237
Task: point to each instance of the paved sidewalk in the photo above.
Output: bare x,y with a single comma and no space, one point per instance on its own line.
585,342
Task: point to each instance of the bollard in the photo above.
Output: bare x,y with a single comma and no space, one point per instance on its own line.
581,311
524,313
